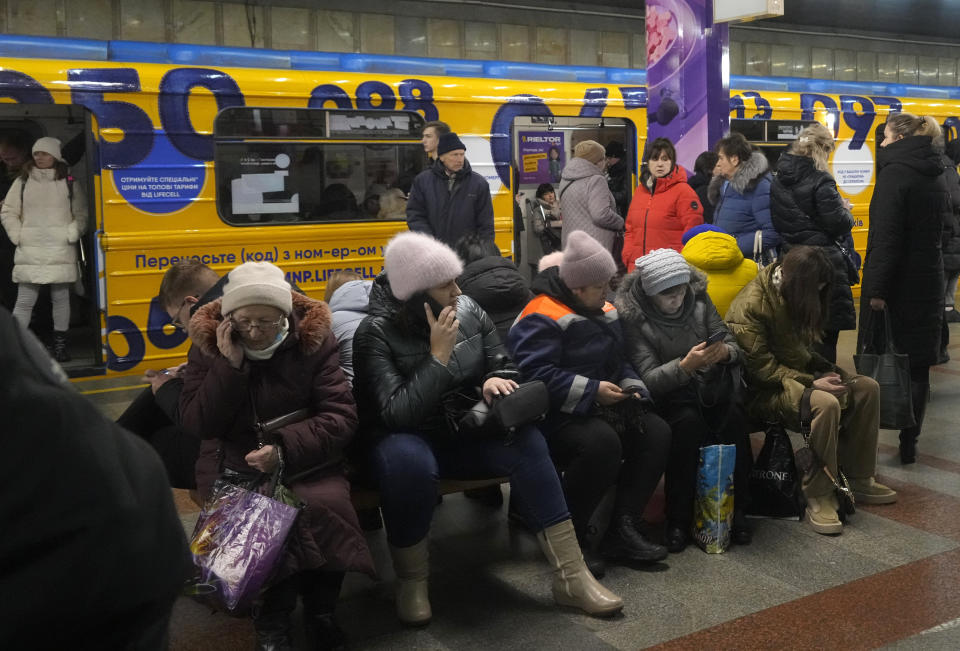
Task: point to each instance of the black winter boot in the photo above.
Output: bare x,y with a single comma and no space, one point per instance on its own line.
320,591
271,621
920,395
587,539
60,346
625,541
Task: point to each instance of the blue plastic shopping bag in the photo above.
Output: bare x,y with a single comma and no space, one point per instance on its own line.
713,508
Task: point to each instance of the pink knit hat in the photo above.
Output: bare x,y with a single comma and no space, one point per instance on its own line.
415,262
585,262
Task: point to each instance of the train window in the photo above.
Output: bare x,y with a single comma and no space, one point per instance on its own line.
277,165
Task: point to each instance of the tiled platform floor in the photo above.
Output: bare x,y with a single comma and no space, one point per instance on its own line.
892,579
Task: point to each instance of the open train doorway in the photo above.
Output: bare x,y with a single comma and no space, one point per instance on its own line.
21,125
542,146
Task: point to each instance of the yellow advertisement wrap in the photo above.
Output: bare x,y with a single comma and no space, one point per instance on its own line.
161,183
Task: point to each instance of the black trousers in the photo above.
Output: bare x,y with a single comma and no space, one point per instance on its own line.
593,456
691,431
177,449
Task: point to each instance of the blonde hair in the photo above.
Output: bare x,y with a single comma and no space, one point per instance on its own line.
814,142
590,150
393,205
908,124
337,280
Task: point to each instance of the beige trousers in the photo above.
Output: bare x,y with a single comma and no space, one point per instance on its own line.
843,432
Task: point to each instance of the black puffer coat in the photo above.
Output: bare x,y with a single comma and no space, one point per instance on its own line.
401,387
951,227
497,287
904,265
807,209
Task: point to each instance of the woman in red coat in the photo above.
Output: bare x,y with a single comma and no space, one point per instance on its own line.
259,353
663,208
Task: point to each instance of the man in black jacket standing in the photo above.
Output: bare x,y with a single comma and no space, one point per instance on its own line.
449,200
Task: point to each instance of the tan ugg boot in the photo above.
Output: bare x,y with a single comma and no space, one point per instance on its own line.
822,514
573,585
412,567
869,491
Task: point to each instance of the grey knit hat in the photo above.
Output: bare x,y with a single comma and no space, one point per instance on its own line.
585,262
662,269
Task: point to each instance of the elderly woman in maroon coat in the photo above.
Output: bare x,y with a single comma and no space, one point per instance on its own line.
259,353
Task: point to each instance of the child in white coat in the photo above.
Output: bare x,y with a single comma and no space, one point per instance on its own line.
44,214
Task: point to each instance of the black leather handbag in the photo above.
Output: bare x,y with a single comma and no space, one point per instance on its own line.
527,404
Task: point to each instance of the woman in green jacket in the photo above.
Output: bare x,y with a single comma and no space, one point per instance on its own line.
777,318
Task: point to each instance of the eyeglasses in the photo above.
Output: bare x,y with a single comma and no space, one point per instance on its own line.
262,324
175,321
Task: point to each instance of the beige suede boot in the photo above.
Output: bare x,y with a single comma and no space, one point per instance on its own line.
573,585
870,491
412,567
822,514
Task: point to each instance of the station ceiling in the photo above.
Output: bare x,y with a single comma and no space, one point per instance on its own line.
939,19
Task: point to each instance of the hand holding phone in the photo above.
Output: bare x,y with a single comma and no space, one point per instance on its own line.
719,335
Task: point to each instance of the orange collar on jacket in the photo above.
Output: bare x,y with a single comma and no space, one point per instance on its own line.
550,307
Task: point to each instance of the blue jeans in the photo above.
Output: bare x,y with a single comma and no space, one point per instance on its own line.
407,468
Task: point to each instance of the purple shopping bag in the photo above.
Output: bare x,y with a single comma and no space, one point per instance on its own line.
238,540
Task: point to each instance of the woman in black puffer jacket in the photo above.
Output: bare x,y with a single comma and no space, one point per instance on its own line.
903,268
492,281
423,345
807,209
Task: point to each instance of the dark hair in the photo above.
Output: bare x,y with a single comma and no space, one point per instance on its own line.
20,140
544,188
705,163
553,148
62,170
338,198
471,248
440,127
735,145
660,146
185,278
804,269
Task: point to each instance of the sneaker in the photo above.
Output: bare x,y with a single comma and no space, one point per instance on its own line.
952,316
822,515
868,491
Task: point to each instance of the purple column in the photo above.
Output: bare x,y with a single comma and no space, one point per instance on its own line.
688,76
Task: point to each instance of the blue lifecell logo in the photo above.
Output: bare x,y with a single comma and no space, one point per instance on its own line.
163,182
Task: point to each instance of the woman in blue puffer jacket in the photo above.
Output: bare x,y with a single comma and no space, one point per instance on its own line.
740,192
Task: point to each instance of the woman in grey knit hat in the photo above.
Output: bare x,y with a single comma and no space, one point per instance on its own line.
692,364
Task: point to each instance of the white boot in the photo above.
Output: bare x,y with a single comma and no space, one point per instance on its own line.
412,567
573,585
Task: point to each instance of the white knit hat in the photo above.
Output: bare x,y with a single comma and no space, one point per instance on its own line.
256,283
415,262
50,146
662,269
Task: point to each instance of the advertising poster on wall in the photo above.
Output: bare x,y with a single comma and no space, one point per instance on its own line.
542,156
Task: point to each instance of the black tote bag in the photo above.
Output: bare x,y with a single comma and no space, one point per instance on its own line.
891,370
774,482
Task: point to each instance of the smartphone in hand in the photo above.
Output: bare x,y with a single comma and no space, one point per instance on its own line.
719,335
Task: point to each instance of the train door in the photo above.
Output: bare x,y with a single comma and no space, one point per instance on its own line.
20,126
541,148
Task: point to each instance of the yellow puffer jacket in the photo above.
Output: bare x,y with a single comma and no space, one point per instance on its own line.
718,256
